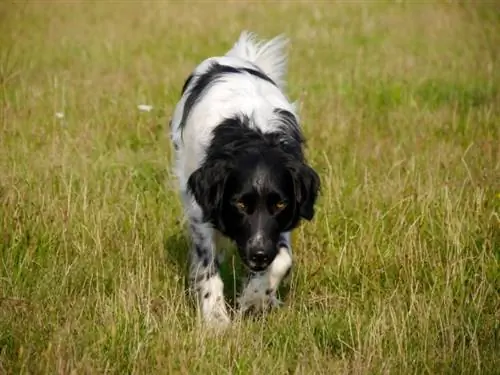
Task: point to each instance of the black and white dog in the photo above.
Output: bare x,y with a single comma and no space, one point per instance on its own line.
242,172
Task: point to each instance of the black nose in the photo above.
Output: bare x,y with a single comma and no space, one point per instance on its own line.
259,258
259,252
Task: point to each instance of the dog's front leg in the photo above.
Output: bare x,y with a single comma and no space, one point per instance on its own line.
259,294
204,276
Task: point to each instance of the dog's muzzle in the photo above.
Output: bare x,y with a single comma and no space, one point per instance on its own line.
260,253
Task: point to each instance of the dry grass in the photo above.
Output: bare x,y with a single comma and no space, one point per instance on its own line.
399,272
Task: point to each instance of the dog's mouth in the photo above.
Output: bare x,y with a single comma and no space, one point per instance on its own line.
254,267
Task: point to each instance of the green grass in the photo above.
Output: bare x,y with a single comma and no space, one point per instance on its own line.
399,272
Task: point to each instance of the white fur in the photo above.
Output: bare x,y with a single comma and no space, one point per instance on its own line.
269,56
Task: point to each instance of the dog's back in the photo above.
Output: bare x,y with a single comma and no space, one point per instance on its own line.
249,79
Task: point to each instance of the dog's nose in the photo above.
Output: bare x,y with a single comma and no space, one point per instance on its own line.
259,258
259,252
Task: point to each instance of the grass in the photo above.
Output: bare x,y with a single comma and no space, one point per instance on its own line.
398,273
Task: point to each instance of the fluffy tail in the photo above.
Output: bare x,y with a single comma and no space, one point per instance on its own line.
270,56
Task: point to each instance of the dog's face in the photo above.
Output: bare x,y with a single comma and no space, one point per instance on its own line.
254,198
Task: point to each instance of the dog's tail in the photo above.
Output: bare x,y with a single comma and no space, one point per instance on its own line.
269,56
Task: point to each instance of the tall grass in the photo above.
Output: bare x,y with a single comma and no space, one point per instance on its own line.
398,273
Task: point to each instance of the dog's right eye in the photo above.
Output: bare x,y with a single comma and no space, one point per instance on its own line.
280,205
241,205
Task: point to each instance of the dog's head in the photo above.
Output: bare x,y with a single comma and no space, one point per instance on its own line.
255,195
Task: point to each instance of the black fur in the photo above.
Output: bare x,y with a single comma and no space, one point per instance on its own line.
210,77
186,84
257,73
259,169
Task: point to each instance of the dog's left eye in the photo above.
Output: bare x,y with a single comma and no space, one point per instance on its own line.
241,205
280,205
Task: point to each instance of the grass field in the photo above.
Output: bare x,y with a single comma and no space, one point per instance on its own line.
399,272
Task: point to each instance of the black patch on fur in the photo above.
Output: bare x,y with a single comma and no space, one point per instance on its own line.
289,125
269,291
186,84
198,278
210,265
257,73
282,242
206,274
210,77
198,239
200,251
207,294
234,136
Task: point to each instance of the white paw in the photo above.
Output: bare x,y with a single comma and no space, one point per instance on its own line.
215,312
258,301
218,321
212,305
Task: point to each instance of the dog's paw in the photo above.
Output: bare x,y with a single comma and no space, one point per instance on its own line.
218,322
215,314
258,302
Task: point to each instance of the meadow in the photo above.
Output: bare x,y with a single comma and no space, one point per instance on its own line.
397,274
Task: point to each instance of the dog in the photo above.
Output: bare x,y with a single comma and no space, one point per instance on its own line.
242,173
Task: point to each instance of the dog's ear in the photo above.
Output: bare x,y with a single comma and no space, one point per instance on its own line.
307,185
207,185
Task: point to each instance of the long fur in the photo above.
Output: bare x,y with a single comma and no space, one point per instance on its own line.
237,137
269,56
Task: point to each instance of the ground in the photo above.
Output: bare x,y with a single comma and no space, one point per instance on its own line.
399,271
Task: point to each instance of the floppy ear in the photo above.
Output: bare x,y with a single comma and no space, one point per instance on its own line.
307,185
207,186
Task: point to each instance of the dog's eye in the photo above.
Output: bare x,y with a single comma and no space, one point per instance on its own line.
241,205
280,205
